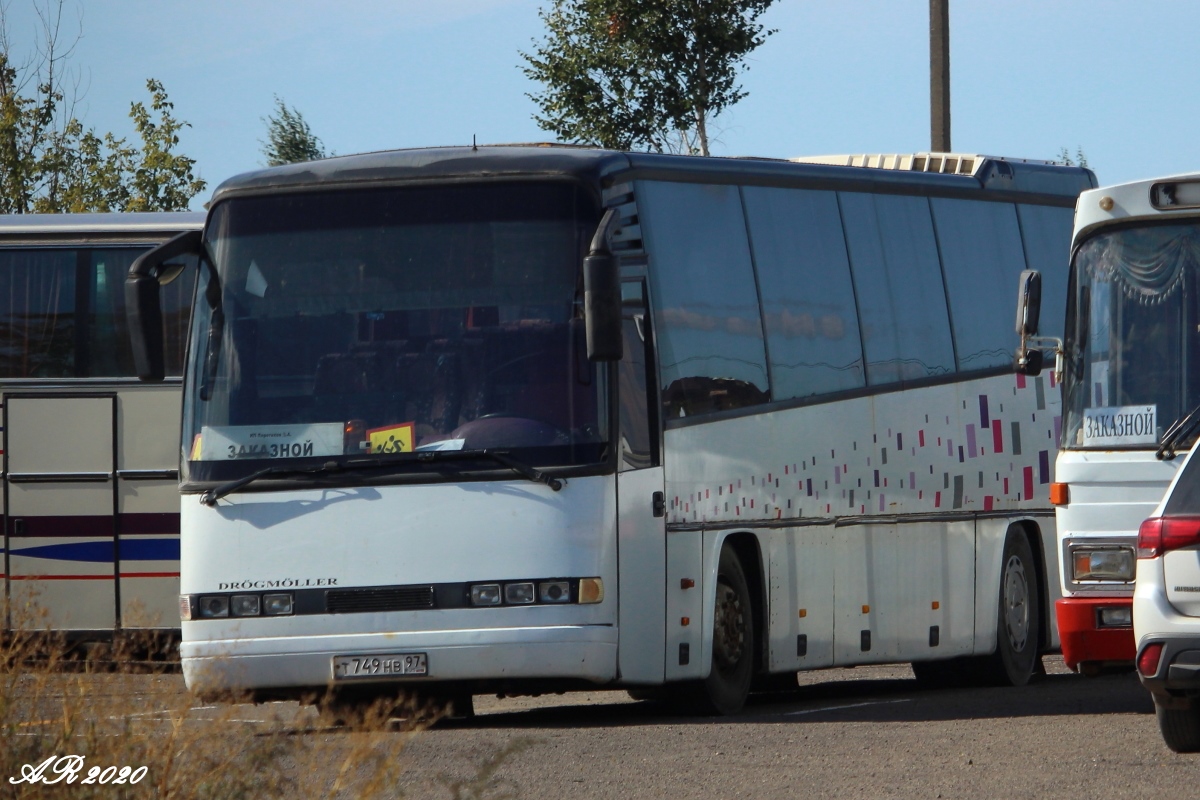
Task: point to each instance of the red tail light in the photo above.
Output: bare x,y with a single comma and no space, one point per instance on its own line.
1159,535
1147,660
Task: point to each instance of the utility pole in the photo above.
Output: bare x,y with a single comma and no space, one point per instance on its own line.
939,75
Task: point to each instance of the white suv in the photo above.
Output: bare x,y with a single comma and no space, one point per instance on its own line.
1166,608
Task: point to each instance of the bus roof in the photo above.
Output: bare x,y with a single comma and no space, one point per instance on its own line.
1124,202
606,166
105,223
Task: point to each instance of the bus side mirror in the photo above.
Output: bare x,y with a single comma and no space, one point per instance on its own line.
143,304
602,297
1029,306
602,307
1029,303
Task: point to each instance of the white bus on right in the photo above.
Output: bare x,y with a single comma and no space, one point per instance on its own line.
1131,392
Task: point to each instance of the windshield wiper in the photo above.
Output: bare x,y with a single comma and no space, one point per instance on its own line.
500,457
1180,429
210,497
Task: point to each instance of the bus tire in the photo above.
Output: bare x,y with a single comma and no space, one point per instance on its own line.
725,689
1180,727
1019,615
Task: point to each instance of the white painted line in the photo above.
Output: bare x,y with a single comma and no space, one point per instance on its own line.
839,708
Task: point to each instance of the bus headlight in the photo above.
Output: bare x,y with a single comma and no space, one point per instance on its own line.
485,594
554,591
214,606
518,594
245,605
1103,564
276,605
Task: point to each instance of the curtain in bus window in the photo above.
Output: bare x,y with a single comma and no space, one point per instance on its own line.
1046,231
808,301
982,259
707,319
898,282
37,313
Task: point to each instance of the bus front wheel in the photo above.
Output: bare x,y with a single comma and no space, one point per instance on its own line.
725,689
1019,614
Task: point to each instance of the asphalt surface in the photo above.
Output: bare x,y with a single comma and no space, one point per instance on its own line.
868,732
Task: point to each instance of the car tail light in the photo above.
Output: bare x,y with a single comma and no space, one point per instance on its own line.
1159,535
1147,660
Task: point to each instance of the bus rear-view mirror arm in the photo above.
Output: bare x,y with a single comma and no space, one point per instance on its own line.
602,296
143,303
1029,306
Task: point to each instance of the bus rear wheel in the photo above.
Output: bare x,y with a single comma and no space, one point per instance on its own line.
725,689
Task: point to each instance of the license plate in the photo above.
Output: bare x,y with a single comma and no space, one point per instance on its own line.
379,666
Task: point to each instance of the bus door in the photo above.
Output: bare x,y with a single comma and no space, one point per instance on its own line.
60,496
148,506
641,545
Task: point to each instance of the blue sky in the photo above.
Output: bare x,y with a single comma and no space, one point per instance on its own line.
1028,77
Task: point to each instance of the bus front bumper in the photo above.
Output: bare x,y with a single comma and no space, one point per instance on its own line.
1087,641
263,666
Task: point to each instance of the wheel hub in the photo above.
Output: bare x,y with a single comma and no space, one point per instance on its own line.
729,632
1016,603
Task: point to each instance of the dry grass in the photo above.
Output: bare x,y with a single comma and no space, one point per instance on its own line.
69,716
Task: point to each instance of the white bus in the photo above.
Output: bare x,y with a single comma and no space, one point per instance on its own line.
537,418
1129,396
90,454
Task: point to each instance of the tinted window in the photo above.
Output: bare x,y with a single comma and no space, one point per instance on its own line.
707,324
898,281
982,259
1046,231
639,445
37,315
63,313
807,296
441,317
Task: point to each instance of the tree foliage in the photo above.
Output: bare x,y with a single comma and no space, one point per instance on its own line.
642,74
49,162
1080,159
289,139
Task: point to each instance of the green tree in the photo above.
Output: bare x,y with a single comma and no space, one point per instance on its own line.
89,172
634,74
49,162
289,139
1080,158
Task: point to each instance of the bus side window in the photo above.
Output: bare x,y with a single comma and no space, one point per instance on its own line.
707,320
638,434
898,283
809,312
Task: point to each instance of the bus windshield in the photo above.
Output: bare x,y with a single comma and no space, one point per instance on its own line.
343,325
1131,336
